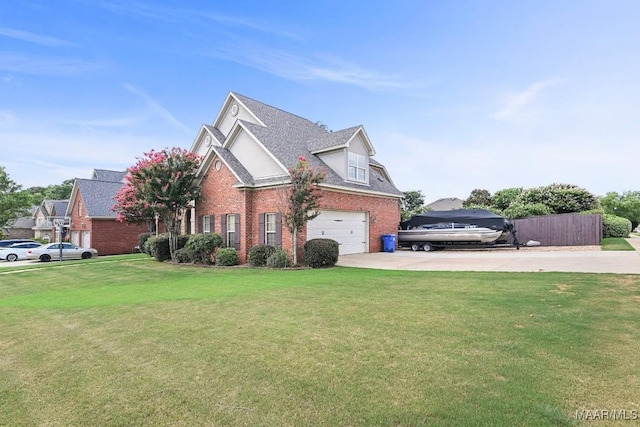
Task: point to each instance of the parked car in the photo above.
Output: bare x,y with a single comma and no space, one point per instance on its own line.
8,242
17,251
46,253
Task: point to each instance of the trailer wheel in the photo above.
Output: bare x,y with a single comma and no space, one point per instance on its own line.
427,247
415,247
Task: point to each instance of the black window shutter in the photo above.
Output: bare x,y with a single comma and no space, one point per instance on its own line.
223,231
212,223
279,231
200,218
236,244
261,229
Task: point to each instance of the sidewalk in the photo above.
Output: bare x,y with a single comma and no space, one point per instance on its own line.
591,261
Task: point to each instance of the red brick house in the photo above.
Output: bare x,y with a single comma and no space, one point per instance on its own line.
247,152
92,221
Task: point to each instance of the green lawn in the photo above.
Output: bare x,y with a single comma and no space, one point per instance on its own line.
616,244
135,342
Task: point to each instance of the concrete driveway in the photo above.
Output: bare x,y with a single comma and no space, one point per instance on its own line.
525,259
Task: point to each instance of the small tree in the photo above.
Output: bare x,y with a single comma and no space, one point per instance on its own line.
413,204
302,199
478,196
163,182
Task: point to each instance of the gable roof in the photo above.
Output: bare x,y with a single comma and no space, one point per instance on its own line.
98,196
286,137
108,175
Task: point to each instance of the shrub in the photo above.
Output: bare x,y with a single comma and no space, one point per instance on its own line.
259,254
184,255
142,239
615,226
278,259
203,247
523,210
226,257
321,253
158,246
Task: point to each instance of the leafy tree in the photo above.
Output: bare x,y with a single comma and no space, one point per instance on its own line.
301,203
413,204
52,192
163,182
625,205
522,210
561,198
478,196
14,202
502,199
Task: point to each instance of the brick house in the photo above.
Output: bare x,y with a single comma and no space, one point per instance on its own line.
247,153
92,221
43,227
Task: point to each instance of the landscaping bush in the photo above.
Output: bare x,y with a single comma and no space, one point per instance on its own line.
259,254
158,246
278,259
203,246
524,210
226,257
321,253
184,255
142,239
615,226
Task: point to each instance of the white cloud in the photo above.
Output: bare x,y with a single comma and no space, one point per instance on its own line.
25,64
519,105
34,38
158,109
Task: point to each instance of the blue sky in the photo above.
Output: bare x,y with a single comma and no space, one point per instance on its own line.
455,95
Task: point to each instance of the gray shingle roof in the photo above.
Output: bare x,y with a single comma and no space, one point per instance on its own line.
288,137
108,175
98,196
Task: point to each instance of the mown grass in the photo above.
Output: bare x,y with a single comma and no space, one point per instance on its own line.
615,244
135,342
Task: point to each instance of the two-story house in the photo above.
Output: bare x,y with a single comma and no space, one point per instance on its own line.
248,151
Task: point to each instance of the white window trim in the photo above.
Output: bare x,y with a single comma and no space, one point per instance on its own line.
270,220
358,164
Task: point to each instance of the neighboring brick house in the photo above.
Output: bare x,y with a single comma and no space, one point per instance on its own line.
247,153
44,228
93,222
21,227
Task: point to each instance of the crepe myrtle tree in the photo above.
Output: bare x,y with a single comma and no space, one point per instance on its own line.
162,183
301,201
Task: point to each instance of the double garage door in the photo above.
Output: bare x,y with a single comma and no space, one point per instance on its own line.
349,229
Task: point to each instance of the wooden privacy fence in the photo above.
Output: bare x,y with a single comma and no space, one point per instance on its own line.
560,230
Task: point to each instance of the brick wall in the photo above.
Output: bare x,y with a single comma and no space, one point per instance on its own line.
108,236
219,198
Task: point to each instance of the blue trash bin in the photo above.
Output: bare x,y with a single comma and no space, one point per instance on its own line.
389,242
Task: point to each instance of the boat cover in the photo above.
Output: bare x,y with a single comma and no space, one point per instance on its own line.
477,217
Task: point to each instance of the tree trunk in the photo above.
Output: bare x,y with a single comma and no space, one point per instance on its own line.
294,247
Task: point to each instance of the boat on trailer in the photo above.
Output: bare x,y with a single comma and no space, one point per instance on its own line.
459,227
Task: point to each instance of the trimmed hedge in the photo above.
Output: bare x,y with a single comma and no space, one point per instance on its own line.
259,254
278,259
321,253
615,226
142,239
184,255
202,247
227,257
158,246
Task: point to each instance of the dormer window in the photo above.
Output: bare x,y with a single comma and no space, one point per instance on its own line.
357,167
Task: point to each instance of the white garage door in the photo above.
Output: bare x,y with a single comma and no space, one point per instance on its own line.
349,229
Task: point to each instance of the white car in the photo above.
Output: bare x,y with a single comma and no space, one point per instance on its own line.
51,251
17,251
